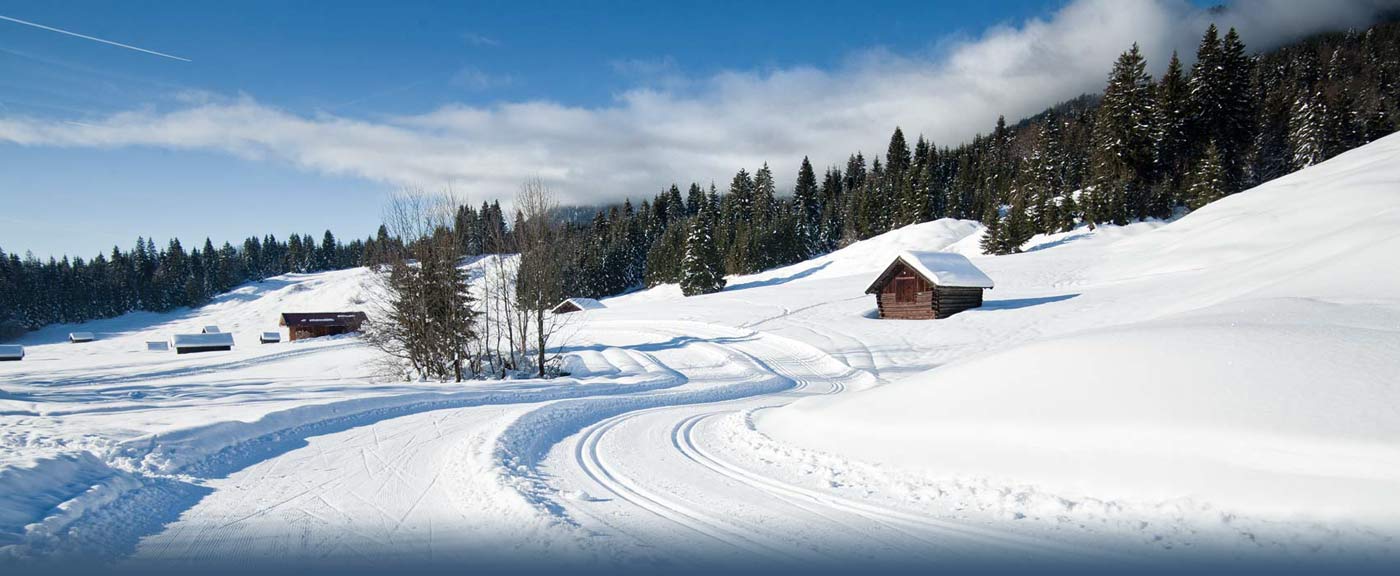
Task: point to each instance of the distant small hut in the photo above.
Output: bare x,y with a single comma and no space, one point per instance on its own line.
77,337
270,337
188,343
210,329
577,305
157,345
316,324
11,353
928,285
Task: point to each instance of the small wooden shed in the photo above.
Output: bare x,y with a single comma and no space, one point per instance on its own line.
577,305
187,343
317,324
77,337
11,353
928,285
270,338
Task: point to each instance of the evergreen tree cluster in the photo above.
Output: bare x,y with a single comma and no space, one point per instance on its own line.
1146,148
34,293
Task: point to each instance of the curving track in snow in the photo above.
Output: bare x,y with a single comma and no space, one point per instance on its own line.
651,480
623,476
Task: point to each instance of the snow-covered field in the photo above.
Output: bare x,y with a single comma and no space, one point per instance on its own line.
1223,386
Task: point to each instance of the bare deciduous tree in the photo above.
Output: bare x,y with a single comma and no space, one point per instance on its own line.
540,281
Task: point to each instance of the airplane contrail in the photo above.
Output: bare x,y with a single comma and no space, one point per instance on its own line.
93,38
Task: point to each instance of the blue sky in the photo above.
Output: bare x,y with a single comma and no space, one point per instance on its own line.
302,116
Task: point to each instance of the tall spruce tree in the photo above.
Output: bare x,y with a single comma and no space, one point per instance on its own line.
1170,134
1122,170
701,270
807,203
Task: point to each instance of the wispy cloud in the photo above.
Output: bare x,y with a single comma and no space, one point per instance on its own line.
92,38
473,78
475,39
651,136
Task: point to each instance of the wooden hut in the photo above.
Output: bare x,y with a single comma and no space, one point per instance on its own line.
77,337
577,305
11,353
316,324
270,338
928,285
187,343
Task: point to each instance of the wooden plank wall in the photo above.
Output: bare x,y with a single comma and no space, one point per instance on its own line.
948,301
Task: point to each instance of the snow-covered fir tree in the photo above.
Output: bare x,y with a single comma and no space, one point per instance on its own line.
701,270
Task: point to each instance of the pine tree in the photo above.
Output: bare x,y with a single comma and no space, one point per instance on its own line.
991,238
701,270
807,203
1207,180
1171,139
1122,170
1306,130
695,198
1017,229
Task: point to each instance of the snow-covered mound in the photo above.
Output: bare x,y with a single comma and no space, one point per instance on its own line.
1244,356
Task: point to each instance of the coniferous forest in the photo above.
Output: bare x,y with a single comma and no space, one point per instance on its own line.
1145,148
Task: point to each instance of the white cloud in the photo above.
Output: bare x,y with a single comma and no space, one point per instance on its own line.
475,39
473,78
706,128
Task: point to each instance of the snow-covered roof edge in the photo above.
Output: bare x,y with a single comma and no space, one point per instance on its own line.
11,351
586,303
215,339
946,269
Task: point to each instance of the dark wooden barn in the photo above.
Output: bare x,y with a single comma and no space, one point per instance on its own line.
317,324
928,285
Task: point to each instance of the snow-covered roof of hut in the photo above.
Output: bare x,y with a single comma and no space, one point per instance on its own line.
271,336
81,337
211,329
579,304
201,340
941,268
11,352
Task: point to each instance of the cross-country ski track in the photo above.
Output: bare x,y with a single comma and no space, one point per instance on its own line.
617,473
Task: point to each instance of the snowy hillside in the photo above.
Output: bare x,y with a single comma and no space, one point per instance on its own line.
1224,383
1244,356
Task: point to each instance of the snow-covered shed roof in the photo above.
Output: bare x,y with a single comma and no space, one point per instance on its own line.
11,352
271,337
577,304
81,337
212,329
350,320
940,268
201,340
